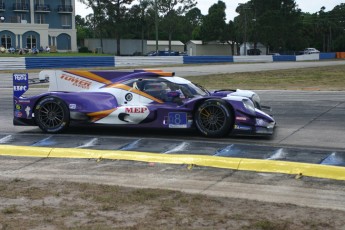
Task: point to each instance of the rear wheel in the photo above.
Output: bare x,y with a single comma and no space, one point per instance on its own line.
52,115
214,118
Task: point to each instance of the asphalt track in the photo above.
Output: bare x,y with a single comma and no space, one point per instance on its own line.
308,141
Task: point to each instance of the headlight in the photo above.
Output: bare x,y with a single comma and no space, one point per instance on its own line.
248,104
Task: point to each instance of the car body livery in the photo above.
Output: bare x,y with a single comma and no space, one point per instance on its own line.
142,98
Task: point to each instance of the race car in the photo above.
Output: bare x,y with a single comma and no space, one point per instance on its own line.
139,98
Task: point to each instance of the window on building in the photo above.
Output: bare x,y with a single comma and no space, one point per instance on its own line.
66,20
2,4
31,41
6,41
39,2
19,18
66,2
21,5
20,1
40,19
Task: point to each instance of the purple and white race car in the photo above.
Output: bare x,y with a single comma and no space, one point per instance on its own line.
142,98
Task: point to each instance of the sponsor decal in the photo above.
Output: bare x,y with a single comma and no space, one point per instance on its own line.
27,110
72,106
18,107
20,84
18,114
24,101
136,109
242,127
241,118
129,97
20,88
78,82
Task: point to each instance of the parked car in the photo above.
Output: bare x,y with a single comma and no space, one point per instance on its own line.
163,53
140,98
253,52
274,54
311,51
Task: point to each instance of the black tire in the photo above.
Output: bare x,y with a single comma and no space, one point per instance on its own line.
52,115
214,118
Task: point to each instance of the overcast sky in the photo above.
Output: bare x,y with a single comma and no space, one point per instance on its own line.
310,6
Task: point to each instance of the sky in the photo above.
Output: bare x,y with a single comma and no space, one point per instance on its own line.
310,6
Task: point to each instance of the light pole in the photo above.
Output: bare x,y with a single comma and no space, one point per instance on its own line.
142,26
156,25
244,7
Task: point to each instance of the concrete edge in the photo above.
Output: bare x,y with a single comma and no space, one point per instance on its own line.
256,165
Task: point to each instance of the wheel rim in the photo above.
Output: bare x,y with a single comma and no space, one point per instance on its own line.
51,115
212,118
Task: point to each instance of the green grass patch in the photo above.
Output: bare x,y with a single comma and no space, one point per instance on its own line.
55,54
318,78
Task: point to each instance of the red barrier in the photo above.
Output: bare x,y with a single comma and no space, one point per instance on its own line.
340,54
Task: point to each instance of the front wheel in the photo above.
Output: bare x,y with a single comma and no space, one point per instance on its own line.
214,118
52,115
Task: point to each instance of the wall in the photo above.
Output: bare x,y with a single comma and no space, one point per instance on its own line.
11,63
128,46
179,48
208,49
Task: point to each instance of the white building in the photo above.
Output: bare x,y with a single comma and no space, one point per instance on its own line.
215,48
177,46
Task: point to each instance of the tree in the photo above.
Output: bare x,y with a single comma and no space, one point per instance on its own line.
170,10
272,22
189,24
98,18
116,12
213,26
337,28
84,29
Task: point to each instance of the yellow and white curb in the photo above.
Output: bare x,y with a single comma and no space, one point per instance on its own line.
257,165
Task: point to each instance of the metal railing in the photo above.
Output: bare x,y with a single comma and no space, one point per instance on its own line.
20,7
65,8
2,6
42,7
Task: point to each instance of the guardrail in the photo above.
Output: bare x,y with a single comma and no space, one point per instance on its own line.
149,60
9,63
340,54
12,63
207,59
68,62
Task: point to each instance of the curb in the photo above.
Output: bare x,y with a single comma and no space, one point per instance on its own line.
244,164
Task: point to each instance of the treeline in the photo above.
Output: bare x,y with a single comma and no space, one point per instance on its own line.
278,24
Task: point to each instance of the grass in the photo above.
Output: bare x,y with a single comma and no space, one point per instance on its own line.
328,78
54,54
318,78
